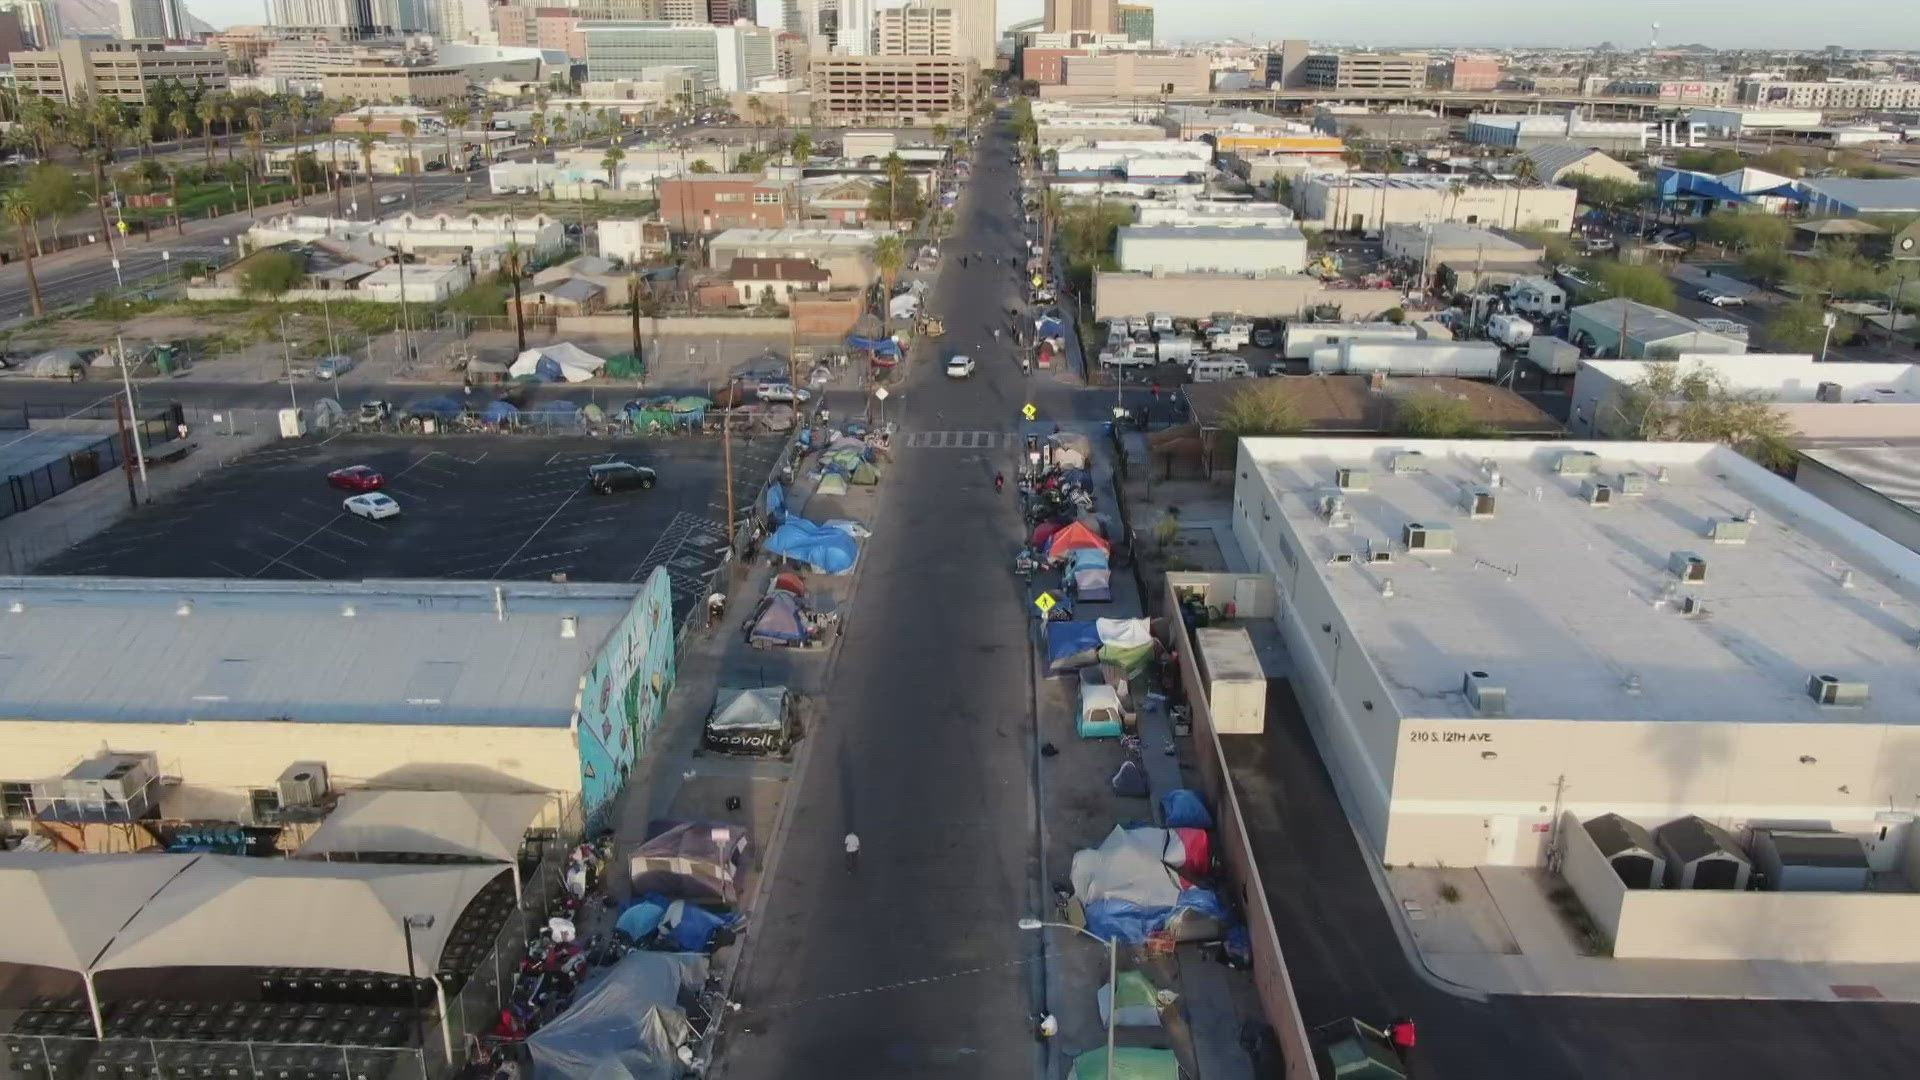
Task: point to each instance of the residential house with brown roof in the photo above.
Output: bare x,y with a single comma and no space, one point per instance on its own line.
711,202
774,281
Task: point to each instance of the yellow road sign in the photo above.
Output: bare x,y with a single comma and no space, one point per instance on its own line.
1029,411
1045,602
1038,281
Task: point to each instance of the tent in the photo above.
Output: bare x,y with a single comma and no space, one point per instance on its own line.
1076,535
472,825
691,860
749,721
832,483
556,363
501,412
1088,574
63,909
1129,1063
878,346
1100,716
626,1025
779,619
827,550
435,406
776,500
1139,1003
1129,888
1071,450
1071,645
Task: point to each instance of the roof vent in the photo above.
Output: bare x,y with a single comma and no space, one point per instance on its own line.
16,606
1691,606
1403,462
1687,566
348,611
1476,501
569,626
1630,483
1829,392
1333,511
1730,530
1660,474
1835,691
185,608
1486,697
1596,493
1353,479
1577,463
1418,537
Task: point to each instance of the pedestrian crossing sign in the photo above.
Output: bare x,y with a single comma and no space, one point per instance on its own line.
1029,411
1045,602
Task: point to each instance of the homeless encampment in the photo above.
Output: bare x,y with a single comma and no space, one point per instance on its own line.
628,1023
826,549
1130,888
691,860
750,721
564,362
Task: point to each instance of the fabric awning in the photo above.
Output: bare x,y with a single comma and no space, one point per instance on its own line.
230,911
463,824
63,909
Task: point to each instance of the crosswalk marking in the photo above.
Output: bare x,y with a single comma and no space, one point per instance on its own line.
952,440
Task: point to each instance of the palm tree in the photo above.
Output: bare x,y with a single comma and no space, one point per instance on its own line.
229,112
756,112
366,158
20,212
150,127
457,117
182,125
297,111
408,129
537,127
611,163
802,149
207,110
889,255
896,176
102,118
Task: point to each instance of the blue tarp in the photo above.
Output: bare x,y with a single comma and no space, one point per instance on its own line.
879,346
642,919
1132,922
1087,559
500,412
1182,808
693,932
435,406
1048,326
547,369
782,619
1072,644
776,500
829,551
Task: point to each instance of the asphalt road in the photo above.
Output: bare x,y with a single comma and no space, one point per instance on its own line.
912,966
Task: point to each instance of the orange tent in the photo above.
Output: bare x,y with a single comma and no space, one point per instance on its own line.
1073,537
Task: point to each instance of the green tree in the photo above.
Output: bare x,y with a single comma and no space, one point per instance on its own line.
1745,232
207,110
610,161
1557,247
1769,267
1647,284
1263,407
457,117
893,202
1782,162
366,141
18,208
1433,414
700,166
1837,269
52,191
802,148
271,274
1669,404
1710,161
1798,326
889,256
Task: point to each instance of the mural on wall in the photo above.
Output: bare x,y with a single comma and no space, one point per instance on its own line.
624,691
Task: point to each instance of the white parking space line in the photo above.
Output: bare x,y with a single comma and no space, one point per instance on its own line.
549,520
297,547
298,543
227,569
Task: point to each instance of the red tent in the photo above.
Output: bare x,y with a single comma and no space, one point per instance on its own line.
1043,532
791,583
1072,538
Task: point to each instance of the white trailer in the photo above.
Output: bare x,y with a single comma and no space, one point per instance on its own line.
1555,356
1303,339
1509,330
1537,297
1462,359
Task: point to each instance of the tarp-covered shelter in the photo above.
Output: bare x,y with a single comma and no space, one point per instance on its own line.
62,909
691,860
474,825
749,721
626,1025
1076,535
1139,1004
556,363
828,550
1129,888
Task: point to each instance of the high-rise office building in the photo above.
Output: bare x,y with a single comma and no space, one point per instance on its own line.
39,22
361,18
124,71
914,31
732,58
466,22
856,28
1135,21
976,30
163,19
1092,16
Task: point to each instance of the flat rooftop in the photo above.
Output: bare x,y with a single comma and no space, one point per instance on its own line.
1275,231
1787,378
846,238
411,652
1891,472
1448,235
1572,607
1418,181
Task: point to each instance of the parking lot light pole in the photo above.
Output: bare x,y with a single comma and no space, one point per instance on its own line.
1113,968
286,348
407,925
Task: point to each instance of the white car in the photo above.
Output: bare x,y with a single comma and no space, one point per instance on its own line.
960,367
1720,299
785,392
373,506
389,200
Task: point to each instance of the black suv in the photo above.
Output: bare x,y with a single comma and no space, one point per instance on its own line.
611,476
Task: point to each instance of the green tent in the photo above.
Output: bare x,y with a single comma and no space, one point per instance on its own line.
1131,660
864,473
624,365
1139,1005
832,484
1129,1063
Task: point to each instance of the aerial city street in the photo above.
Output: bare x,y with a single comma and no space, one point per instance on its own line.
1068,538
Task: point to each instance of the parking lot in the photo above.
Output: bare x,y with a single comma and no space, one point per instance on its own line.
472,507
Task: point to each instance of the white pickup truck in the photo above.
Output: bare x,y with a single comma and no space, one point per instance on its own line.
1132,354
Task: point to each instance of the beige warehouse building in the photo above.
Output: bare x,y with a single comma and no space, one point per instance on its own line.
1370,202
1491,634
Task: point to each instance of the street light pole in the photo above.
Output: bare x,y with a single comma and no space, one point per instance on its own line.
286,348
407,925
1113,969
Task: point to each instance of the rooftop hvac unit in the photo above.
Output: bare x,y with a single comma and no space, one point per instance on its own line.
1691,606
1687,566
1730,530
1829,392
1333,511
1477,502
1418,537
1403,462
303,784
1596,493
1577,463
1630,483
114,778
1486,698
1353,479
1833,690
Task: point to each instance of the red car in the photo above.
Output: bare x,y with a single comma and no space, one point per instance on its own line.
357,478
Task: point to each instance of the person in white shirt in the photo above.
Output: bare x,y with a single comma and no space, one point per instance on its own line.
853,852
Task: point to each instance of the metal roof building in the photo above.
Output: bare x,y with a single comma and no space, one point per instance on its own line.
1845,195
1596,327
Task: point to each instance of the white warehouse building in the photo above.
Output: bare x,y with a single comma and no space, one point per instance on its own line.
1486,634
1184,249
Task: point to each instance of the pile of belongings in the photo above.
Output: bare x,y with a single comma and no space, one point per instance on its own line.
690,860
829,549
666,412
787,617
1126,644
630,1022
1145,880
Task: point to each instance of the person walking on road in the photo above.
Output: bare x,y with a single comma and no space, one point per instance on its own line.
999,483
853,852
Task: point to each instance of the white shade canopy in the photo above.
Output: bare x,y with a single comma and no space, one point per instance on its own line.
62,910
466,824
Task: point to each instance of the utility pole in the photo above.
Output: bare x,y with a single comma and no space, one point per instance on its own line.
128,453
286,348
726,455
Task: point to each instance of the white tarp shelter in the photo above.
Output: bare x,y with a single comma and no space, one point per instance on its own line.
62,910
486,826
576,364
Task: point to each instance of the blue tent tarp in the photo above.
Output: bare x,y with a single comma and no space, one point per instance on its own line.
776,500
879,346
500,412
1182,808
781,618
435,406
1072,644
829,551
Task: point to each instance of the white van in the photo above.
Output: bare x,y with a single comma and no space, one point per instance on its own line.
1131,354
1162,324
1218,369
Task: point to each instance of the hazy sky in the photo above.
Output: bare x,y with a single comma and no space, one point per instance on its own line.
1856,24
